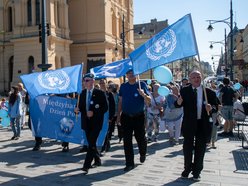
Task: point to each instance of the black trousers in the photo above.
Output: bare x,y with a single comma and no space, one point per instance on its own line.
195,144
92,152
38,141
136,125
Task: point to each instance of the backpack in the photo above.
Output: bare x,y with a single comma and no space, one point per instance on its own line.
245,106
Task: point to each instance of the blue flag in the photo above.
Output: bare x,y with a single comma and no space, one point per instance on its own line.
53,117
60,81
173,43
114,70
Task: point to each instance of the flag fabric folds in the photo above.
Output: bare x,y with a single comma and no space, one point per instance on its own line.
173,43
114,70
53,117
60,81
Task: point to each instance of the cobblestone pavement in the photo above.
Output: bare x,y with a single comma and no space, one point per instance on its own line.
19,165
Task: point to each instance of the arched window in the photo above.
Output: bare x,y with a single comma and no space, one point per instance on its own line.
37,11
113,24
30,64
10,20
29,12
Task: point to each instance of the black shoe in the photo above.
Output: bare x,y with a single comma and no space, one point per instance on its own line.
128,168
96,164
65,149
196,177
85,170
36,148
107,147
149,140
13,138
185,174
223,134
142,159
120,139
83,149
230,134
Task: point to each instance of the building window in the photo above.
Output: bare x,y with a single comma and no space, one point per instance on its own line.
10,20
57,13
30,64
37,8
29,9
11,65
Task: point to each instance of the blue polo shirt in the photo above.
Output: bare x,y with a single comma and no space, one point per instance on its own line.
132,101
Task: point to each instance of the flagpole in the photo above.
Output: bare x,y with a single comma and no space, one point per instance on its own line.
204,88
139,81
199,59
77,105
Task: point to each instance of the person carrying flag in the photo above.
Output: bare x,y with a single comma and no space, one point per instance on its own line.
132,118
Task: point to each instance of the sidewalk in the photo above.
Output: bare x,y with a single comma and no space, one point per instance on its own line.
19,165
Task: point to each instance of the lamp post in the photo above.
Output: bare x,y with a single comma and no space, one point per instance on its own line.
3,57
225,48
123,39
230,24
44,63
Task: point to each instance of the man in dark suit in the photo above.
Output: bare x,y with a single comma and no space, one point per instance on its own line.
111,106
196,123
92,105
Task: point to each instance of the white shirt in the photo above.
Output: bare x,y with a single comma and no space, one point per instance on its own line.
199,101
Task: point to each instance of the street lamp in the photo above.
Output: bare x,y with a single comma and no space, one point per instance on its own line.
123,40
229,22
44,63
225,47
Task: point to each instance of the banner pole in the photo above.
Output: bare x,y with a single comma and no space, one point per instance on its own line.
204,88
77,105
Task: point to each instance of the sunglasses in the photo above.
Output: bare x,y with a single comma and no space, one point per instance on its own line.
87,80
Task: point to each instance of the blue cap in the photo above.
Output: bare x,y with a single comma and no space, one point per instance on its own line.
89,75
129,70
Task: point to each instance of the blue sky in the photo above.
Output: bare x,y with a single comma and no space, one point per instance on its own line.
201,10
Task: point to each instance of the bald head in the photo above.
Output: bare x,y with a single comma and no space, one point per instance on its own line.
195,78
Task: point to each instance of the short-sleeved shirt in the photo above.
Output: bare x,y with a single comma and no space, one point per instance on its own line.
132,101
228,94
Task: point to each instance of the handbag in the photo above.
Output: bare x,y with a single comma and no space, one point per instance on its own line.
161,110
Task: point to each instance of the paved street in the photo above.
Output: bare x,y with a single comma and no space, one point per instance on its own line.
19,165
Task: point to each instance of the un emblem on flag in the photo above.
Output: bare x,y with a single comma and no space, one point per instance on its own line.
54,80
162,47
66,125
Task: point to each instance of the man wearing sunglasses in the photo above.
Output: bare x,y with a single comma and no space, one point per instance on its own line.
92,105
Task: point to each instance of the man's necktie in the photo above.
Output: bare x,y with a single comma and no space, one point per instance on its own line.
88,101
195,94
195,99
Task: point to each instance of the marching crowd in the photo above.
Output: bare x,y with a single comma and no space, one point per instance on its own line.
190,110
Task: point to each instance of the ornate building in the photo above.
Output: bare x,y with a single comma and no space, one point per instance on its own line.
81,31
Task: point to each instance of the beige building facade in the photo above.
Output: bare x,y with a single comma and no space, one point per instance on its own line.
81,31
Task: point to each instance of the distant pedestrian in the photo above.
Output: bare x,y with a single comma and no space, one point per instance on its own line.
227,96
173,116
111,110
23,94
15,112
154,111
